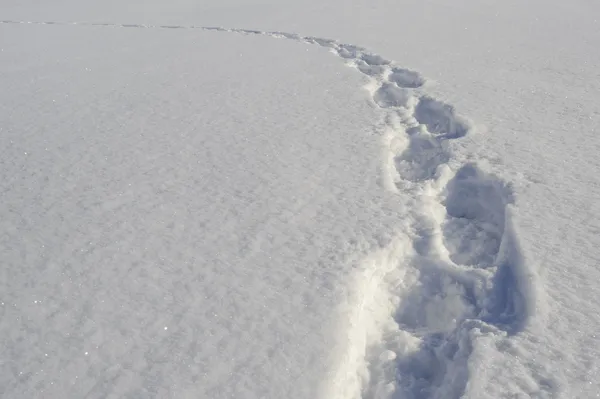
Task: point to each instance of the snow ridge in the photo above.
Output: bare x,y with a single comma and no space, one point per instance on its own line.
456,274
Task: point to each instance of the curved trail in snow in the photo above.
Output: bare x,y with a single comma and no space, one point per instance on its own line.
456,275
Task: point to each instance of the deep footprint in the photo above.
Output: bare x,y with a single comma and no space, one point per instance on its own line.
440,118
422,157
476,234
391,96
440,310
406,78
475,205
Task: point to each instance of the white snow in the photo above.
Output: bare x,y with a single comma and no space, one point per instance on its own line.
382,199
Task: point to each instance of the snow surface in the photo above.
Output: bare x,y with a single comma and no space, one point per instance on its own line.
199,201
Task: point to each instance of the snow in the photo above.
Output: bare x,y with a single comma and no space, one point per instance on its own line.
199,200
192,218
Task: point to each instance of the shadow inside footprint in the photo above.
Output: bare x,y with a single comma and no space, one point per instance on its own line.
389,95
370,70
511,299
406,78
435,311
438,369
440,119
374,59
422,157
437,304
475,205
476,234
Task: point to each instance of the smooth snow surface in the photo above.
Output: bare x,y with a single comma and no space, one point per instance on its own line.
179,223
199,200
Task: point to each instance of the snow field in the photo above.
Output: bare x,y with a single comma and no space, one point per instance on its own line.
176,223
446,304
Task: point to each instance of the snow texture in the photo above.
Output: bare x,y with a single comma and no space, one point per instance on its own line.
198,234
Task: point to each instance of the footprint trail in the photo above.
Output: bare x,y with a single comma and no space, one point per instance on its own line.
462,275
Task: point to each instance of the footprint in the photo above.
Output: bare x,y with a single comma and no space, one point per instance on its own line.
437,369
349,51
427,144
440,119
370,70
389,96
328,43
422,157
251,31
475,205
374,59
439,311
438,303
406,78
448,301
476,234
286,35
